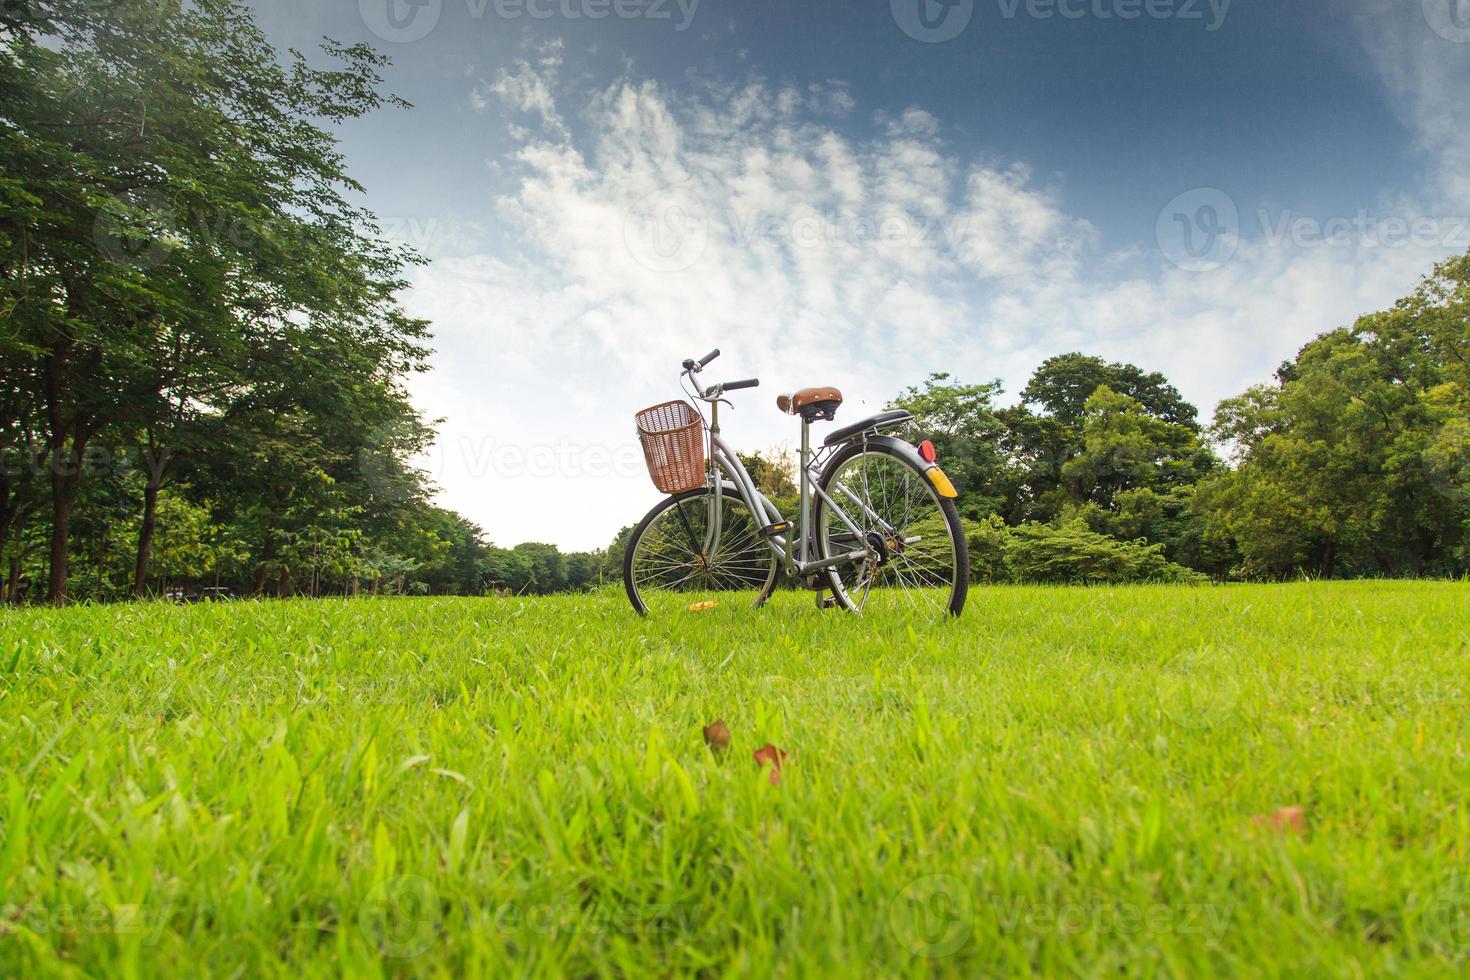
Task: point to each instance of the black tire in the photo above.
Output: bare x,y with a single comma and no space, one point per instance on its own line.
956,578
758,584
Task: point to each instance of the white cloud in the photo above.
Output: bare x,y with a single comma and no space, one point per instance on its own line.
1428,76
742,217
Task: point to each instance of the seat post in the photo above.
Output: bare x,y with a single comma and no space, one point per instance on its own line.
806,489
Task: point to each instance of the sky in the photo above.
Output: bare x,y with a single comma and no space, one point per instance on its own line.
864,193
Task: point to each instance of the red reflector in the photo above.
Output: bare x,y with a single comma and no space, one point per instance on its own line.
926,449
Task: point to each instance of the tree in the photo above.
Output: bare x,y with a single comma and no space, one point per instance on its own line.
132,133
1348,464
1124,447
1046,430
970,437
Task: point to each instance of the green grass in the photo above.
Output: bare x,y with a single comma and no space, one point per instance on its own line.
1063,781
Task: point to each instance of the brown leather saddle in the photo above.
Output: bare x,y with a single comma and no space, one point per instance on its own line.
811,403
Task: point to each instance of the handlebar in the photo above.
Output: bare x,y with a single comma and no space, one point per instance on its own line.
693,367
699,365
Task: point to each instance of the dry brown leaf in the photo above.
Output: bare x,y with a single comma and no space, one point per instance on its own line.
769,753
1287,820
717,736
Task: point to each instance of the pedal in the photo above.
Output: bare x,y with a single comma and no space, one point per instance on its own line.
773,530
826,601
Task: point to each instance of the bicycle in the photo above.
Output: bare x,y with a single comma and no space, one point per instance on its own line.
876,524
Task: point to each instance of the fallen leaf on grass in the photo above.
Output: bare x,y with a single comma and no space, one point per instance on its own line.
1287,820
769,753
717,736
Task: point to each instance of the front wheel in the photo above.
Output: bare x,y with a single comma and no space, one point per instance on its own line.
907,543
674,563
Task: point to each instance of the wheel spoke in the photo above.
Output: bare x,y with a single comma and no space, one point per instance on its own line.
896,503
668,565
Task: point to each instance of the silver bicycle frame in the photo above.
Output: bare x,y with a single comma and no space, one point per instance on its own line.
727,472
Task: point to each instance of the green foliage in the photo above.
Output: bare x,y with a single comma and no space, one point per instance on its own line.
1068,554
962,422
1353,463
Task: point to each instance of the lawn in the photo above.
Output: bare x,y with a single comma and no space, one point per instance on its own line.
1063,781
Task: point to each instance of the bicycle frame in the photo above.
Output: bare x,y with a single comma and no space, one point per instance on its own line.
794,549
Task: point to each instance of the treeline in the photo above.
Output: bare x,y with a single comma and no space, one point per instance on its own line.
202,368
203,356
1353,461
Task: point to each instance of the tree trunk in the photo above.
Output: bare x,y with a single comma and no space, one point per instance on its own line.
145,538
8,511
262,570
63,496
284,586
65,465
12,584
60,540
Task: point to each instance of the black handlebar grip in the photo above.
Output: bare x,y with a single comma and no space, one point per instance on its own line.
709,357
737,385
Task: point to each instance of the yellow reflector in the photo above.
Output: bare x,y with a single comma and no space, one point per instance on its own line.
941,482
702,606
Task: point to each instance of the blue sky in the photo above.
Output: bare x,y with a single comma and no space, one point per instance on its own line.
863,193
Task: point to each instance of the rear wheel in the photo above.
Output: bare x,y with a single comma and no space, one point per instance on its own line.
667,569
910,547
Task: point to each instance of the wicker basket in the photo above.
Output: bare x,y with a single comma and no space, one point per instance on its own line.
673,446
